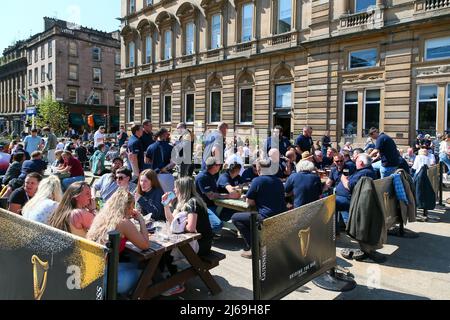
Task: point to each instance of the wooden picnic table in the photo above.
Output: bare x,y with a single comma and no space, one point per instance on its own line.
238,205
148,288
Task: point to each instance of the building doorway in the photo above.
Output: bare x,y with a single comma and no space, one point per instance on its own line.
283,118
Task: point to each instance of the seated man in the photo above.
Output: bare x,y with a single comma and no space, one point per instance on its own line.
348,161
289,163
21,196
328,158
229,180
249,174
347,184
267,195
318,160
336,171
207,188
304,185
107,184
36,164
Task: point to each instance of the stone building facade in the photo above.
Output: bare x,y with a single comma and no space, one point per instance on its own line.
338,65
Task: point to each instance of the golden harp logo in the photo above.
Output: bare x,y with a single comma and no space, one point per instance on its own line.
40,269
304,236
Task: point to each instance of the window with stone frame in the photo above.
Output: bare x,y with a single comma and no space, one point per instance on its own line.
214,12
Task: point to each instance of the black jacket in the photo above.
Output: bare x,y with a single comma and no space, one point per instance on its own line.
366,219
425,195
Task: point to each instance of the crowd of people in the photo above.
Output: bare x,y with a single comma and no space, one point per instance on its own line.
141,181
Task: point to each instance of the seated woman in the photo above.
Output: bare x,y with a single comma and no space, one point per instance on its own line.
116,215
45,201
76,211
148,195
123,179
58,163
73,166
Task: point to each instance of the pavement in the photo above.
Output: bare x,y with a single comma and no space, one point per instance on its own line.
416,269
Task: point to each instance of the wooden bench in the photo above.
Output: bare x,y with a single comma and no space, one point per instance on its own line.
212,260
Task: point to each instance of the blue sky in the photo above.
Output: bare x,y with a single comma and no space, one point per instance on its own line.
20,19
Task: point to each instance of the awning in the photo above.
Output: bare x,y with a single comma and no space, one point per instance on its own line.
76,119
99,120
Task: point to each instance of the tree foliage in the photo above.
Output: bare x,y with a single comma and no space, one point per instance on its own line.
54,114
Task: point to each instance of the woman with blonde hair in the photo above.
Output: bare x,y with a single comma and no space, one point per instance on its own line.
116,215
76,211
148,195
45,201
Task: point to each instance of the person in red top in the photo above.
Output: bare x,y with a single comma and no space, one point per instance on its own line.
74,167
116,215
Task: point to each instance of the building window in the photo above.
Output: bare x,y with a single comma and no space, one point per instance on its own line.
437,49
189,38
96,54
117,74
30,57
168,45
148,49
50,48
117,58
247,22
73,49
96,97
97,75
448,107
42,73
189,108
427,109
284,19
131,48
283,96
35,55
363,5
73,71
148,108
351,112
363,58
73,95
50,91
50,71
36,75
130,110
42,52
246,105
30,77
371,110
215,110
216,26
167,109
132,6
117,98
149,2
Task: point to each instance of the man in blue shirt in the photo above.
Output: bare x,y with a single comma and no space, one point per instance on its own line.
386,149
304,142
36,164
32,142
229,180
122,136
249,174
347,184
207,188
336,171
215,144
147,138
304,185
136,150
283,143
266,193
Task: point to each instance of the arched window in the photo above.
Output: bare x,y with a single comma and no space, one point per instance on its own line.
188,14
245,87
166,90
282,80
146,30
189,100
166,24
130,37
214,11
245,24
215,98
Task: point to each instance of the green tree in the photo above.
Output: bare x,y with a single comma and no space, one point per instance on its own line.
54,114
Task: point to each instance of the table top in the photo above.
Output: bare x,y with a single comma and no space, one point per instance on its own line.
158,245
236,204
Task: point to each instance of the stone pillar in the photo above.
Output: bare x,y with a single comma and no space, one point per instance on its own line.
340,8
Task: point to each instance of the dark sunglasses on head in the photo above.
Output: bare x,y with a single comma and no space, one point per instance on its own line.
120,178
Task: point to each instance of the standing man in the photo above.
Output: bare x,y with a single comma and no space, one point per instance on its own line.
99,137
122,136
32,142
283,142
159,156
386,149
147,135
50,145
135,150
215,144
185,147
304,142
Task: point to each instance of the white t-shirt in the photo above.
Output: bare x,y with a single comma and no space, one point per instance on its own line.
41,211
420,161
98,136
60,146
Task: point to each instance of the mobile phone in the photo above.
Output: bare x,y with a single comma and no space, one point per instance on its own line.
346,172
171,196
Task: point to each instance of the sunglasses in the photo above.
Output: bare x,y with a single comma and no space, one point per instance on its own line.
120,178
339,161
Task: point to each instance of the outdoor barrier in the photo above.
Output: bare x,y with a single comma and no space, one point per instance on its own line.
38,262
293,248
433,175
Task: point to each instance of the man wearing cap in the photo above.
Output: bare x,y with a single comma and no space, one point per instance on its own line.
206,185
159,156
266,193
386,149
50,145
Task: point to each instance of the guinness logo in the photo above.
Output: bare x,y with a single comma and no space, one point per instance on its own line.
40,269
304,236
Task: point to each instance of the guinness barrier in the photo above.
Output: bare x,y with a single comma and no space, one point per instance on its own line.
38,262
292,248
